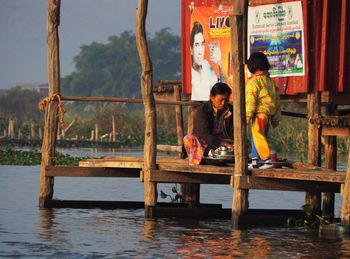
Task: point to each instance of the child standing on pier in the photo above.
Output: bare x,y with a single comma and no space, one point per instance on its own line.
262,108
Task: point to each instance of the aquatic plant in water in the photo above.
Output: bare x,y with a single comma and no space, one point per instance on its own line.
310,219
176,198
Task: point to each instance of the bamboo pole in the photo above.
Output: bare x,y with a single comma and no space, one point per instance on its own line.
32,131
190,192
150,188
124,100
96,132
345,213
113,129
330,143
50,131
10,129
19,134
240,196
40,132
178,116
314,144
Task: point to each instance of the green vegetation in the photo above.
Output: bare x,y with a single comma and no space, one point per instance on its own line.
311,219
10,156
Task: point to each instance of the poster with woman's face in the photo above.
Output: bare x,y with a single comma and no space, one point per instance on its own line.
208,53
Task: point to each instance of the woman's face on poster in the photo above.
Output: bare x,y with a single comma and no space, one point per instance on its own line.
197,50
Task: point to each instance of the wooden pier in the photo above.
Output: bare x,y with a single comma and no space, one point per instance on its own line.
151,170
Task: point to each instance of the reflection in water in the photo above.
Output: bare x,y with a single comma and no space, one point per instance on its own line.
213,241
27,231
148,230
46,218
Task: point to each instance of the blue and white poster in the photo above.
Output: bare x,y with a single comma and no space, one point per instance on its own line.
278,31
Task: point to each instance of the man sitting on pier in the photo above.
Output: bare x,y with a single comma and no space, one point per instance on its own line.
213,125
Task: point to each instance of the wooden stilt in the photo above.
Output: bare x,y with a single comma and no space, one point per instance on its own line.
240,196
314,144
150,188
50,131
178,116
330,163
345,214
10,130
113,128
190,192
96,132
40,132
32,131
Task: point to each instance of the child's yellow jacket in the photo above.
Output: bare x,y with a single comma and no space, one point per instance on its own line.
262,96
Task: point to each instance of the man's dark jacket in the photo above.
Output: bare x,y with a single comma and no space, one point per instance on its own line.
204,123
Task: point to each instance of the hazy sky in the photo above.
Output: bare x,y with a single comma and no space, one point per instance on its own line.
23,32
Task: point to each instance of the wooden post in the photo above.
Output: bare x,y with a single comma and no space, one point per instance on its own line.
178,116
240,196
32,131
314,144
113,128
190,192
10,129
40,132
330,144
19,134
190,119
96,132
345,211
50,131
150,191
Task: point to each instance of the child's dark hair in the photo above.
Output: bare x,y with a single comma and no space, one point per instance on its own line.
220,88
258,61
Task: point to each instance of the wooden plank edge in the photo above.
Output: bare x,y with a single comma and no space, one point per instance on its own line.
92,204
254,217
76,171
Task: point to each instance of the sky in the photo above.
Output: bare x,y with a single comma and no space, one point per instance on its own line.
23,50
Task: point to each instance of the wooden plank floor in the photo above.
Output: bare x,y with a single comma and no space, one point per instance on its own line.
175,170
297,171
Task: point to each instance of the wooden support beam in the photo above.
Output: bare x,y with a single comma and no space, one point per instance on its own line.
274,184
168,148
50,131
330,146
76,171
345,213
314,144
124,100
240,196
331,131
150,150
329,176
190,213
176,177
207,169
178,116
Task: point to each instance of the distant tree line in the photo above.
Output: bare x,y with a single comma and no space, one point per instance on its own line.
113,69
109,69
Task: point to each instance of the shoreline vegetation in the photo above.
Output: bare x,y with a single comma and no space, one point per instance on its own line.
10,156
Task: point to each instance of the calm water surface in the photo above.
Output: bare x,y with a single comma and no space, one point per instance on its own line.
27,231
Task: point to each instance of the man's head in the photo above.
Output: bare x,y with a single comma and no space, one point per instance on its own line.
219,95
258,62
197,42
